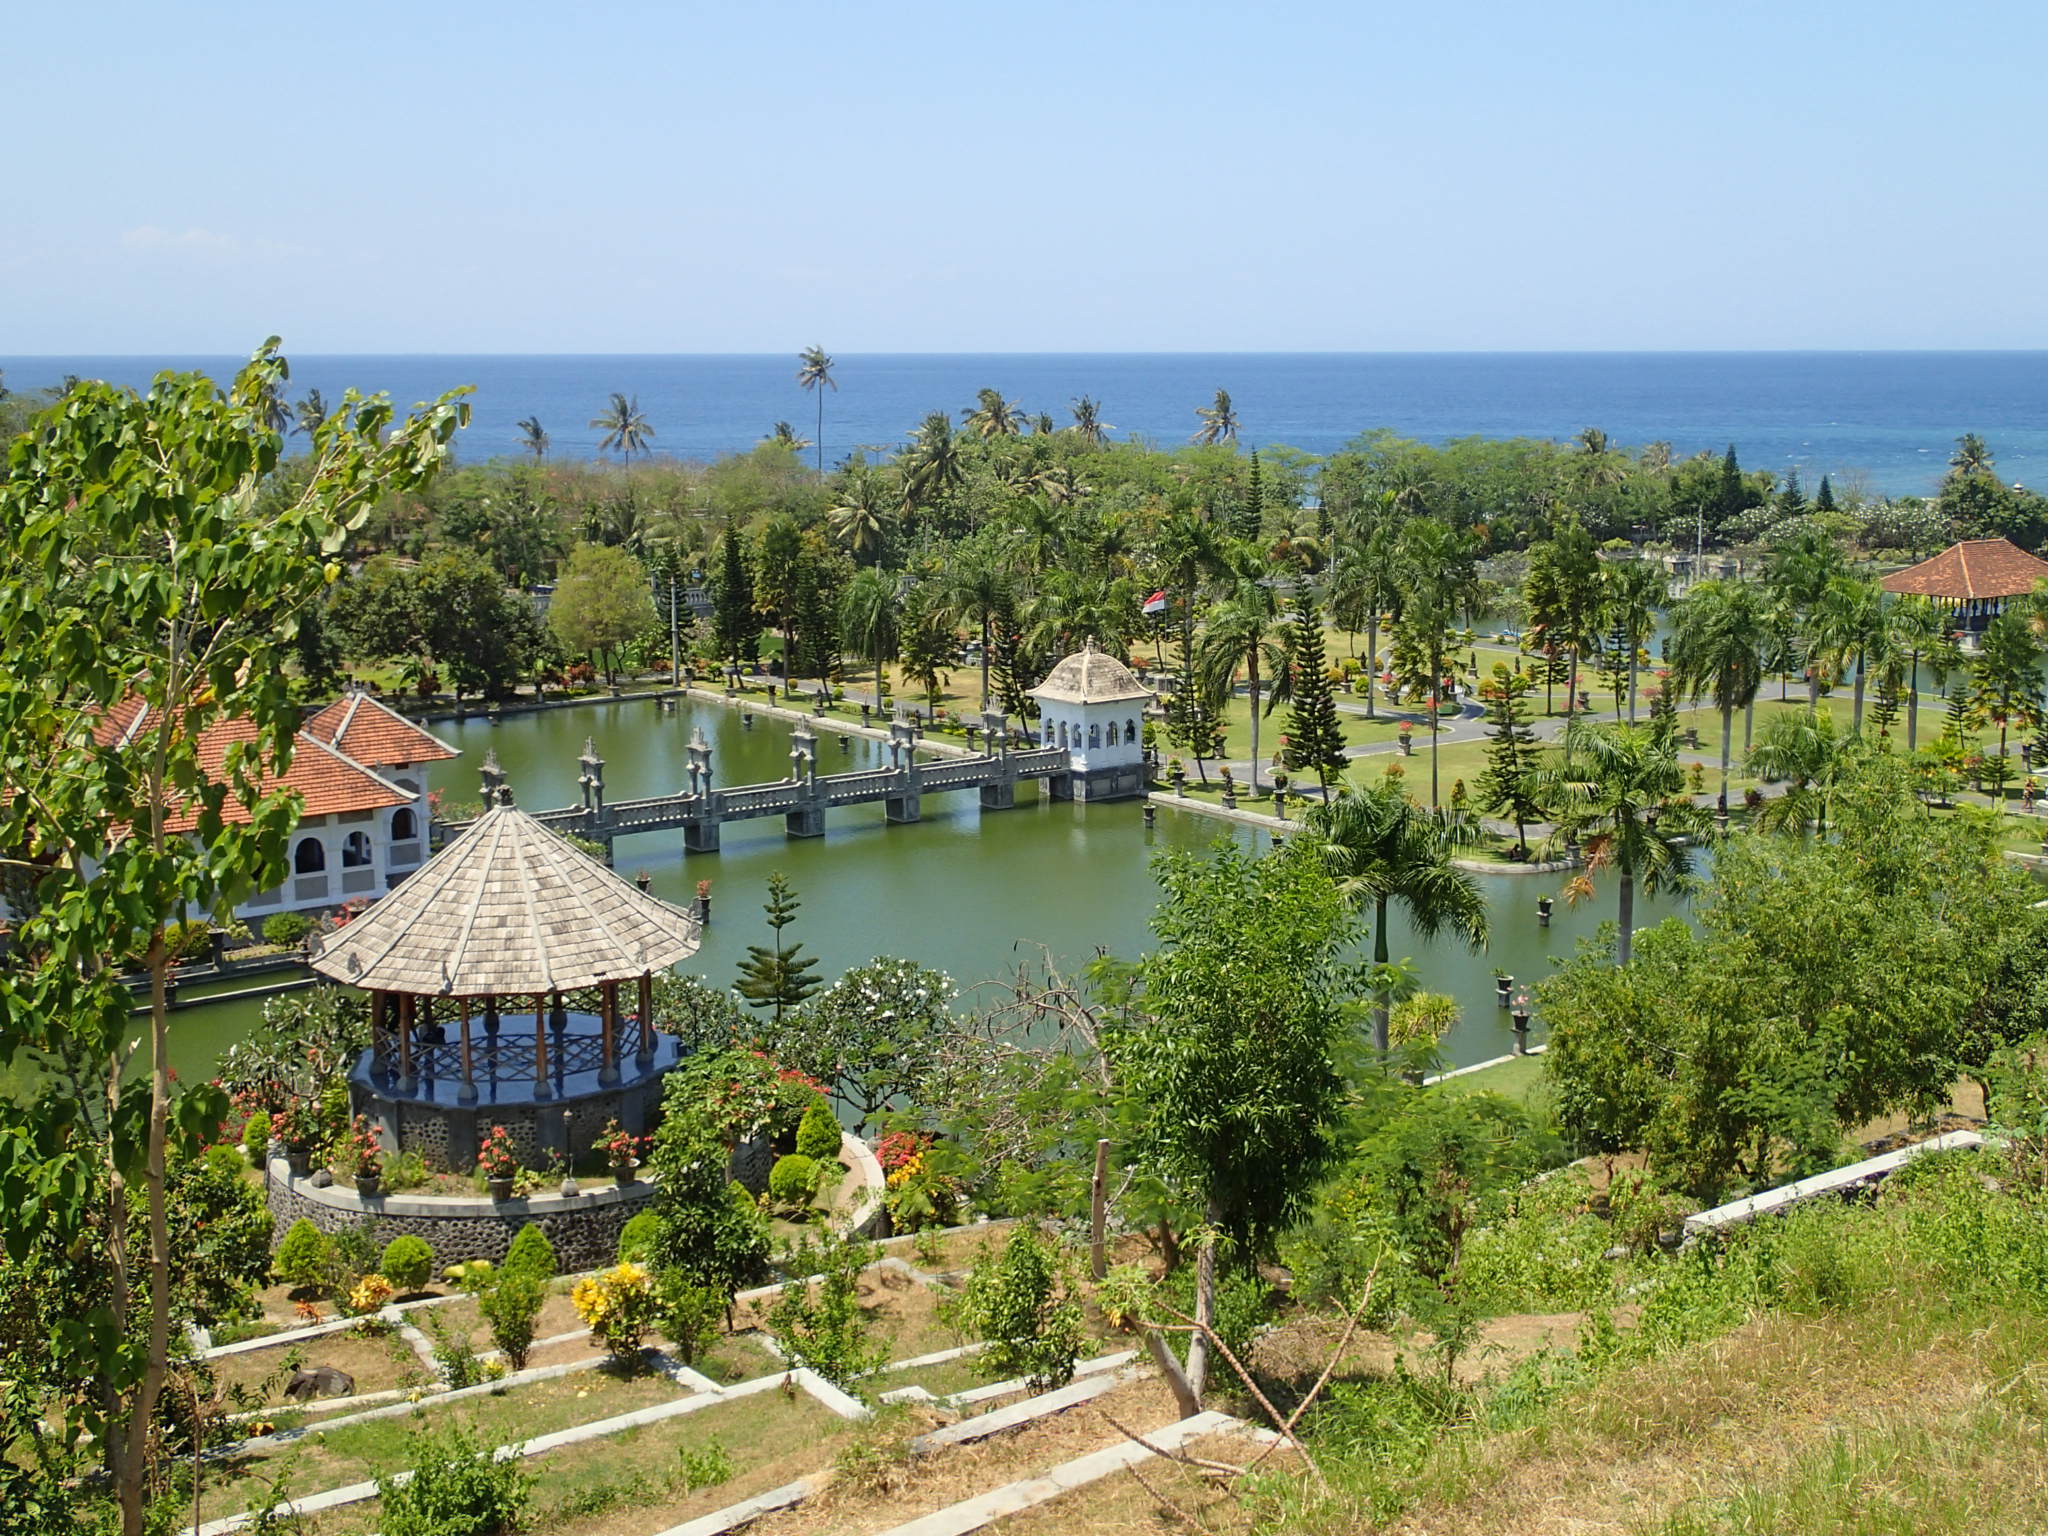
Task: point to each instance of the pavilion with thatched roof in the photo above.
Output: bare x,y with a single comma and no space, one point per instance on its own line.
507,918
1972,580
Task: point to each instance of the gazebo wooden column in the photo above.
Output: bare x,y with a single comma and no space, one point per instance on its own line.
405,1040
541,1090
646,1052
608,1061
467,1092
380,1032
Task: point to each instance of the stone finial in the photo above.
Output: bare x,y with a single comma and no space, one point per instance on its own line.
492,775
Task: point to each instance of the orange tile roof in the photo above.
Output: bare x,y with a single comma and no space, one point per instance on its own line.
371,732
1974,568
329,782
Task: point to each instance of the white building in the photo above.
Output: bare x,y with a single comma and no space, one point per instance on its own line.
360,771
1094,706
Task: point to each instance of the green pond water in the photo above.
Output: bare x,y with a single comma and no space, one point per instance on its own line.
968,892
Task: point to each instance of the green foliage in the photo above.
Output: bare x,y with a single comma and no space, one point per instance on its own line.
256,1138
408,1263
1020,1303
793,1181
302,1257
1509,785
636,1238
873,1036
704,1466
454,1355
601,602
286,930
511,1307
708,1231
530,1253
819,1323
1315,737
817,1135
778,976
456,1489
450,615
705,1018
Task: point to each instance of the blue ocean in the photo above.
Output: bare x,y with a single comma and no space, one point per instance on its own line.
1883,420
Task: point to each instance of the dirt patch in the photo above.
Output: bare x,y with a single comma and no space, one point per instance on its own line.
375,1363
1158,1496
959,1472
1296,1352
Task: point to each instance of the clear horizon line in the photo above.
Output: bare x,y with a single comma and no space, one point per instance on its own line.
1155,352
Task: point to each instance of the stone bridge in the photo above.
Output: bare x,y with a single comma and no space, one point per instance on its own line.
802,799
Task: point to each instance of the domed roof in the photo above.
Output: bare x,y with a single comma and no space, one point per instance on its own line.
1090,676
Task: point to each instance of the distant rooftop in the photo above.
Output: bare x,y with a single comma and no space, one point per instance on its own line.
1971,569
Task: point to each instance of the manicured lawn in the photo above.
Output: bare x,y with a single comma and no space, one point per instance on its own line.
1520,1078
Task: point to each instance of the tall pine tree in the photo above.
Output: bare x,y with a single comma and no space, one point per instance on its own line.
776,975
1509,784
1315,737
1250,518
1191,721
732,616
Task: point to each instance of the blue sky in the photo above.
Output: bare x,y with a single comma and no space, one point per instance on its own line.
882,177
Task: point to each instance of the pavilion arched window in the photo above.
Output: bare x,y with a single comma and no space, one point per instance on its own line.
309,858
404,825
355,851
1130,733
1094,736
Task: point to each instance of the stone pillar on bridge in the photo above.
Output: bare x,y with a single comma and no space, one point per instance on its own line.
998,793
698,752
907,803
700,825
592,781
807,817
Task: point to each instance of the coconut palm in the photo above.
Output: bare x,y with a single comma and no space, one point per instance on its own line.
1912,629
1632,592
1972,457
624,427
867,618
994,416
1841,629
1798,574
1435,569
311,412
1245,629
533,437
1380,848
1717,646
815,374
932,464
859,515
1088,423
1072,605
1219,421
1623,798
975,589
1813,758
783,435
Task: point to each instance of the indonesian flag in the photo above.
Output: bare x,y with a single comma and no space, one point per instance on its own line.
1156,603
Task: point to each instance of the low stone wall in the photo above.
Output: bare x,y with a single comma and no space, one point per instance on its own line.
583,1229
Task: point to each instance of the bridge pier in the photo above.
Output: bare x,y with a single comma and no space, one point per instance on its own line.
805,821
701,836
1059,786
999,796
903,808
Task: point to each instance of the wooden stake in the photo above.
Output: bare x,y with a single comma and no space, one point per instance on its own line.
1098,1212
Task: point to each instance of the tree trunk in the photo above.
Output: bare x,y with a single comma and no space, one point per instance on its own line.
1436,698
1205,1306
1913,706
1856,719
1727,743
984,661
1633,651
1627,917
1253,681
1812,689
1381,1010
1372,660
1748,724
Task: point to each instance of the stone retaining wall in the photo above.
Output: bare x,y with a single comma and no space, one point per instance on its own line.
583,1229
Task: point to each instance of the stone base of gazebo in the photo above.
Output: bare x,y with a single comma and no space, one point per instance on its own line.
445,1112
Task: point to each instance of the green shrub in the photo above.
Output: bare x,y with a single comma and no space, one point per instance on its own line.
793,1180
303,1257
817,1134
187,941
256,1138
511,1307
286,929
408,1263
456,1489
1021,1302
636,1238
531,1254
821,1324
705,1466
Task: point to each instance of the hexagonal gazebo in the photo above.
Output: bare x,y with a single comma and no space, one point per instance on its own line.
509,919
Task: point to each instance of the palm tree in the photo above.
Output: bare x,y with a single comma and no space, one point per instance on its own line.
1380,847
1972,457
859,516
624,427
1219,421
994,416
1717,650
312,413
1634,591
816,371
533,437
783,435
975,589
1813,758
1798,574
867,618
932,465
1244,630
1912,629
1623,798
1842,627
1088,423
1435,569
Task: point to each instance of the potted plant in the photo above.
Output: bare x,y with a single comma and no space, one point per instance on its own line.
1406,736
621,1150
1229,788
703,901
369,1157
296,1125
1177,775
1520,1018
498,1162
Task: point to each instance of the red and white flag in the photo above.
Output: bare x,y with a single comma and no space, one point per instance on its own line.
1156,603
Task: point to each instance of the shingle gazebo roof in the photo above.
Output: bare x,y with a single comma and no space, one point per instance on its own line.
1974,568
1090,676
508,908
